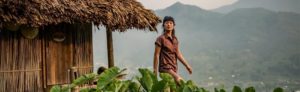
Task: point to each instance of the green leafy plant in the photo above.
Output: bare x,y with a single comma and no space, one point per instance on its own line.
278,90
109,81
250,89
219,90
236,89
106,81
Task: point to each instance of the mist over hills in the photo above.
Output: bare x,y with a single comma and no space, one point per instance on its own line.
274,5
247,47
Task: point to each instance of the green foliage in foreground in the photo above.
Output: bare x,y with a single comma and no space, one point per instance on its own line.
108,82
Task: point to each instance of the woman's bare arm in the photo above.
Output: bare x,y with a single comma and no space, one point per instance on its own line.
183,61
156,59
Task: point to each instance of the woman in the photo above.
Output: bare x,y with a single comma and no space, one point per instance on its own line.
167,51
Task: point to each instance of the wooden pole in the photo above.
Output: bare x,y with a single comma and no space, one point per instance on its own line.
110,52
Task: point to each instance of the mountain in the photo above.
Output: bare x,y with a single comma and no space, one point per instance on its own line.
185,10
254,44
246,47
274,5
185,13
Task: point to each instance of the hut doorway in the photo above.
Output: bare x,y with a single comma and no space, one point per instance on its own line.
58,57
68,49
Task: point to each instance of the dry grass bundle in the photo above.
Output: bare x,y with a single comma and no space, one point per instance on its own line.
116,14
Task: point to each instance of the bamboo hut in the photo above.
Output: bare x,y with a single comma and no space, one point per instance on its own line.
49,42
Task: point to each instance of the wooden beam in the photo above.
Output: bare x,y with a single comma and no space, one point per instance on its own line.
110,52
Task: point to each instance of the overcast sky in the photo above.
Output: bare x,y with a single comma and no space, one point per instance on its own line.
205,4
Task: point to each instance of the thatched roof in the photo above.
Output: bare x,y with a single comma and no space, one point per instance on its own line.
116,14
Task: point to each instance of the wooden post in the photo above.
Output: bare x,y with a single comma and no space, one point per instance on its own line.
110,52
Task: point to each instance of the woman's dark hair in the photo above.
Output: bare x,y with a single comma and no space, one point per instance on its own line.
169,18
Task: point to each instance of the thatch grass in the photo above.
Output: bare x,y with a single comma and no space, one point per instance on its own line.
115,14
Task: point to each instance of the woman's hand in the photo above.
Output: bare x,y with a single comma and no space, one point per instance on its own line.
189,68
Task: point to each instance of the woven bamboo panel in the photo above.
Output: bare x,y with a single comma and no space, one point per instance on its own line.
20,63
32,65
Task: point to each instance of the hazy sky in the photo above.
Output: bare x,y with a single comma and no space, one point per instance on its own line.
205,4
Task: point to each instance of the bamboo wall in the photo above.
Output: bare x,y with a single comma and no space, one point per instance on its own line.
83,60
32,65
20,63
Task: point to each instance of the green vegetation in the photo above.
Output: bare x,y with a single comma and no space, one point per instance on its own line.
108,81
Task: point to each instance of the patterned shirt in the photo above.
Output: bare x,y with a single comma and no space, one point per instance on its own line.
168,52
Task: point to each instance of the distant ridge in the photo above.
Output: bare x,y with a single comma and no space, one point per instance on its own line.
274,5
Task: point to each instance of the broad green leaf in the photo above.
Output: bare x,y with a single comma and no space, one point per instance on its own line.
87,90
165,76
278,90
192,85
114,86
66,89
189,82
203,90
193,88
250,89
148,79
55,88
161,85
134,87
118,85
216,90
181,82
180,88
110,87
143,72
236,89
172,84
186,89
152,75
84,90
146,82
222,90
125,86
83,79
107,76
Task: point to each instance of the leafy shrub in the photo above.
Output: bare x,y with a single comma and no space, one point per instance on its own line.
108,82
